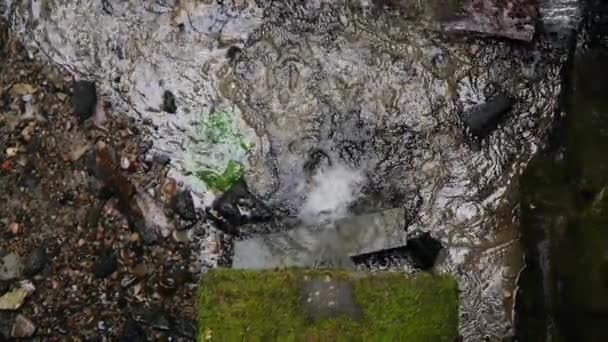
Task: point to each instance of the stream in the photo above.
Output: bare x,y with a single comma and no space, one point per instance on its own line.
325,106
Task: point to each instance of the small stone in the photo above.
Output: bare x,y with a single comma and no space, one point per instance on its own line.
124,163
184,206
181,236
169,104
84,99
106,264
35,262
81,242
134,237
140,270
27,98
11,152
23,327
14,228
11,267
13,300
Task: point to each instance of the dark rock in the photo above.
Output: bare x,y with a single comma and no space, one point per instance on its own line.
84,99
184,206
35,262
169,104
162,159
228,214
482,119
132,332
327,298
106,264
423,251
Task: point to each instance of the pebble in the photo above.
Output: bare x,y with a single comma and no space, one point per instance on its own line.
23,327
14,228
105,265
11,152
35,262
11,267
169,104
124,163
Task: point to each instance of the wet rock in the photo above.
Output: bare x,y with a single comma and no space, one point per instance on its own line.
105,265
183,205
169,104
132,332
482,119
35,262
11,267
324,298
22,327
238,206
328,244
84,99
423,251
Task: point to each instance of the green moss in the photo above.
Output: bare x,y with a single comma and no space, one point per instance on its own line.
237,305
221,182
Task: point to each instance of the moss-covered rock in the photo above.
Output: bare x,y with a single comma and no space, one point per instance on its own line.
238,305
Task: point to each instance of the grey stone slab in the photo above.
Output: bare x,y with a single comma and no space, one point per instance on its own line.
308,246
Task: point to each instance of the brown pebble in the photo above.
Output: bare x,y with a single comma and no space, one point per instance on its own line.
81,242
140,270
14,228
134,237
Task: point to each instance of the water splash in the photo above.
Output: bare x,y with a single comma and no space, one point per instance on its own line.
332,192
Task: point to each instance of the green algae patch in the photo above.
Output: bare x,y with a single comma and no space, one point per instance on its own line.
222,181
245,305
217,153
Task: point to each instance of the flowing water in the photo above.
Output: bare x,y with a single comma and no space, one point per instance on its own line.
321,98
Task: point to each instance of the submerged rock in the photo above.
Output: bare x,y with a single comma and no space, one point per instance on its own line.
331,243
482,119
84,99
238,206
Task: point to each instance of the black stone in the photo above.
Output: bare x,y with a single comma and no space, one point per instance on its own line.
106,264
35,262
132,332
162,159
227,214
84,99
482,119
184,206
423,251
169,104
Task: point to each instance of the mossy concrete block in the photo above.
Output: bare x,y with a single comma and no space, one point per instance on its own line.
274,305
